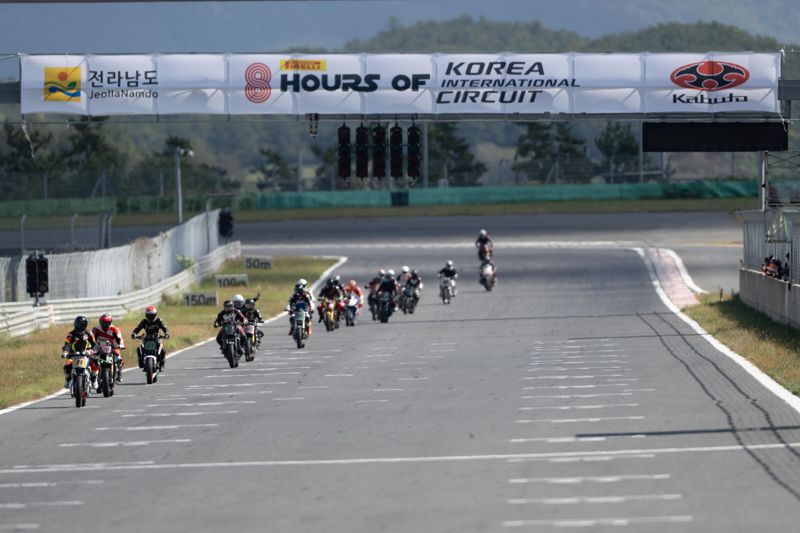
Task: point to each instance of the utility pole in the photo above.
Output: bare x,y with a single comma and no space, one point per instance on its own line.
425,155
178,188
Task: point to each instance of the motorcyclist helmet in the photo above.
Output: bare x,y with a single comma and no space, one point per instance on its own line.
227,305
249,304
483,233
150,313
405,269
352,285
80,323
381,273
302,282
390,272
337,279
105,321
414,274
449,264
299,288
238,301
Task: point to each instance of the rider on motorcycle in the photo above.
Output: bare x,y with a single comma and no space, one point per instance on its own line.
414,280
78,340
252,314
402,278
373,288
389,285
484,244
331,291
449,271
353,288
300,294
151,325
111,334
229,313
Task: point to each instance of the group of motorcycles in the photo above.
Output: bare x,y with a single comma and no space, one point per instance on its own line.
107,363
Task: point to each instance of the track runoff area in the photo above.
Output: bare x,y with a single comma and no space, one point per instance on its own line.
572,396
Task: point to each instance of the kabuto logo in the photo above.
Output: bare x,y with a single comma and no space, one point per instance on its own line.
710,76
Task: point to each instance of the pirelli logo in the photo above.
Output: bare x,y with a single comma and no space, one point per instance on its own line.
303,64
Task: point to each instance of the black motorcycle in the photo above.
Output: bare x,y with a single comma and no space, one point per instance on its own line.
384,306
232,344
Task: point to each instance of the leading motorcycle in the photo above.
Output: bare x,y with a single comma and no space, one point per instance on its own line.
488,276
79,377
300,324
150,348
447,289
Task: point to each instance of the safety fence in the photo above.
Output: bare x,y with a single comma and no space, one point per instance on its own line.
399,197
493,195
117,270
20,318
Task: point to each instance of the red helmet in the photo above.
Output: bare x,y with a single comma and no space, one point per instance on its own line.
105,320
150,312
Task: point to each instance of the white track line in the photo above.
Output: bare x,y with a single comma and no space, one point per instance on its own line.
600,522
568,420
149,465
570,407
121,443
192,413
575,480
596,499
156,428
49,484
25,505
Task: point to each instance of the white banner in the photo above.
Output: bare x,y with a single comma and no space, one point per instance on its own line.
407,84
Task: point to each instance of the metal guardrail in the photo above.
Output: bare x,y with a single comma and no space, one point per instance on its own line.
20,318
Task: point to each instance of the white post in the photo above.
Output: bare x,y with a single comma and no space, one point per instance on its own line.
178,189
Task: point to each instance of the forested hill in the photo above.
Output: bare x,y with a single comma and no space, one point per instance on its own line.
466,34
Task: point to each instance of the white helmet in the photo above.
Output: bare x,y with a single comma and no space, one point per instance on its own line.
390,272
405,269
483,233
238,301
302,281
449,264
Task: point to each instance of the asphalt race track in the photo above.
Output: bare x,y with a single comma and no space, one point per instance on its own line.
569,398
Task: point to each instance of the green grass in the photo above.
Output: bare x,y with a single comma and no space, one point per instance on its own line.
30,366
772,347
554,207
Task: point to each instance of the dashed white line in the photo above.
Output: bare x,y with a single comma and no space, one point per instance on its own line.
288,399
121,443
338,375
600,522
197,413
49,484
570,407
575,386
567,396
558,440
562,368
596,499
386,390
200,404
25,505
575,420
314,387
371,401
576,480
18,527
156,428
573,377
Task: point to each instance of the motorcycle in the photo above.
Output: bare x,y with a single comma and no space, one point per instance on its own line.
328,310
351,310
149,362
384,306
447,289
253,340
232,347
488,276
300,329
410,298
79,377
107,361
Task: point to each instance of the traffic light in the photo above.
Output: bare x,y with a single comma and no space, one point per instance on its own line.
225,223
344,152
362,152
396,151
413,152
36,280
379,152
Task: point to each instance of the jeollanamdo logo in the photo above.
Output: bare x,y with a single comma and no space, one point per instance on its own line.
303,64
62,84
